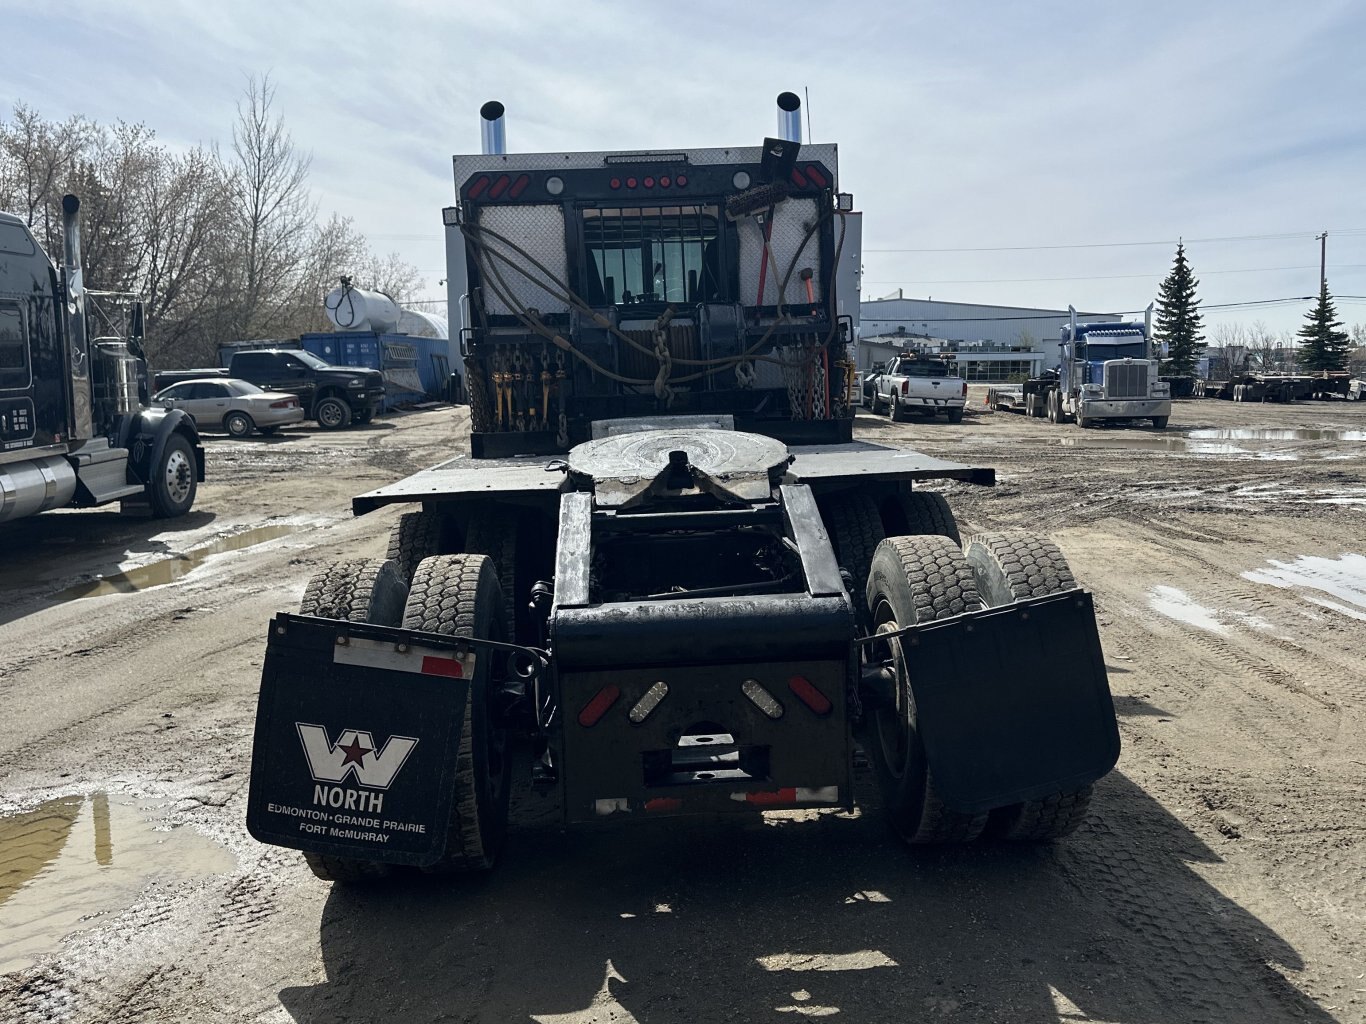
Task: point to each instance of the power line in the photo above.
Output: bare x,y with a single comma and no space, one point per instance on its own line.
1125,245
1113,277
1247,304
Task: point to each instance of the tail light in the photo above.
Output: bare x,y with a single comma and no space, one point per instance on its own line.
965,389
287,404
597,707
905,387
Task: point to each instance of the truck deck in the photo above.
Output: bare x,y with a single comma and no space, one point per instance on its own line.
827,467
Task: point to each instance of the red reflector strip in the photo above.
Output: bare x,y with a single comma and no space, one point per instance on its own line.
663,803
480,183
809,695
798,178
442,667
787,795
425,661
597,707
681,180
499,186
519,186
814,173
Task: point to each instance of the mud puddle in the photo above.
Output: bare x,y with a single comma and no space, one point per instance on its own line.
1276,434
1342,579
168,570
68,863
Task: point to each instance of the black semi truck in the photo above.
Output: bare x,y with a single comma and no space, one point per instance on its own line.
75,428
666,580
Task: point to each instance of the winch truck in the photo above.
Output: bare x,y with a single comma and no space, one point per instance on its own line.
1109,372
665,580
75,427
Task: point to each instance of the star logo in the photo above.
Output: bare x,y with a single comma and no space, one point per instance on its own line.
354,752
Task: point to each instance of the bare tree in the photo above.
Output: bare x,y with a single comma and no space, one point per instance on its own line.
1265,347
274,213
1228,349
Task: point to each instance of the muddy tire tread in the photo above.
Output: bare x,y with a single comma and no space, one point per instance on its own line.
416,535
928,512
446,596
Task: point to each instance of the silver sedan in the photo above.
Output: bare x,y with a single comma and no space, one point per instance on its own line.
236,406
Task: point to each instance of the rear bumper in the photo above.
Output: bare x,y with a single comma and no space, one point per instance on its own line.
1130,408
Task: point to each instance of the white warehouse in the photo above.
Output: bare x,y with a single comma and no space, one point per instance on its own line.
990,343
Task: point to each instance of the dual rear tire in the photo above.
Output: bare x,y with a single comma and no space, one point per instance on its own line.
456,595
920,579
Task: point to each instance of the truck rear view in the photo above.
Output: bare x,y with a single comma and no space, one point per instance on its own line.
667,567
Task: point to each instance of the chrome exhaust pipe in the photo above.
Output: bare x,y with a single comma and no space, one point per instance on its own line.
78,346
492,129
789,116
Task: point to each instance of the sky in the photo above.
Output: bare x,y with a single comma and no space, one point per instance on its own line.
1000,152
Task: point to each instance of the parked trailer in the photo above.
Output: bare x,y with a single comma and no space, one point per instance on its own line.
664,563
75,427
1030,398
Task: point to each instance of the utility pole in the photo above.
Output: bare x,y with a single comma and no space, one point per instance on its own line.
1323,262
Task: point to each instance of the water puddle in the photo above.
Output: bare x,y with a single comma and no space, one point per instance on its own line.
1276,434
168,570
1177,604
69,862
1343,579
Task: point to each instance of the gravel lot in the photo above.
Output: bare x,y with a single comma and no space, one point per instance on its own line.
1220,877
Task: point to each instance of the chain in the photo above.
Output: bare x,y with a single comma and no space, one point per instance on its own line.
745,374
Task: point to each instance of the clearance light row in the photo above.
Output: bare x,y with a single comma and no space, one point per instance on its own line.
649,181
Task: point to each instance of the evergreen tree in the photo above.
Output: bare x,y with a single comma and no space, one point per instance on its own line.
1326,345
1178,317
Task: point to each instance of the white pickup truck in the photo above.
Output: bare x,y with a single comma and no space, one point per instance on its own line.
926,386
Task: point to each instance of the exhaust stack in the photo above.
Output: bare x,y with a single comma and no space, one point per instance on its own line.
789,116
78,347
492,129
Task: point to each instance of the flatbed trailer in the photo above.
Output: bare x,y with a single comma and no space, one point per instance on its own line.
688,592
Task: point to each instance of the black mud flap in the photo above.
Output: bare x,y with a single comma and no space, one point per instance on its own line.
1013,703
357,730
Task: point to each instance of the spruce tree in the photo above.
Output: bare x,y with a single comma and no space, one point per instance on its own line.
1178,317
1326,345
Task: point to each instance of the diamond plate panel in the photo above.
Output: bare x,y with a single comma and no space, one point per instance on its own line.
540,231
467,164
791,221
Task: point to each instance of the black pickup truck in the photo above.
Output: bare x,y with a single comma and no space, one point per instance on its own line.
335,396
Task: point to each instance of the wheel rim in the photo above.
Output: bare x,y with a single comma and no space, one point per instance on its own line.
179,478
238,426
329,414
892,726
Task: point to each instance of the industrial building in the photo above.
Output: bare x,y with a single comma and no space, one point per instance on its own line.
989,343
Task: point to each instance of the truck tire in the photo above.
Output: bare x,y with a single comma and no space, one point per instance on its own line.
363,590
238,424
364,416
897,413
332,413
1084,422
1010,567
855,529
928,513
955,415
174,479
914,579
1160,422
495,535
1052,403
416,535
459,595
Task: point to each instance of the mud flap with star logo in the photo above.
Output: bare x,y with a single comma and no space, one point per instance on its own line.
357,729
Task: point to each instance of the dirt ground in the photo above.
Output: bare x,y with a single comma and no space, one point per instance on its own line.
1221,875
